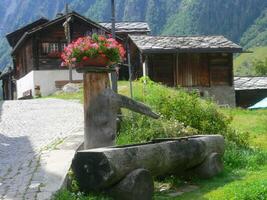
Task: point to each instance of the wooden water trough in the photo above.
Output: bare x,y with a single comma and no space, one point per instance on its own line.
105,168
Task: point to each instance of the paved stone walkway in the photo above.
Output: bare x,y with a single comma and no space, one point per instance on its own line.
27,129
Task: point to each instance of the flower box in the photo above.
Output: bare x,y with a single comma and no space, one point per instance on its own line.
95,51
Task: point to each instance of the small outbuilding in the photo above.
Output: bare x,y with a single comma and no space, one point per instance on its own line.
203,63
250,90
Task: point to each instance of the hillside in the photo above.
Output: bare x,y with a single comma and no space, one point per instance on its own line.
256,35
242,21
243,63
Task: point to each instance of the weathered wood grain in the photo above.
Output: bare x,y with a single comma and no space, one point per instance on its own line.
103,167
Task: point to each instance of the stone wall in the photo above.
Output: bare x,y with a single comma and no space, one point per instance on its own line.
223,95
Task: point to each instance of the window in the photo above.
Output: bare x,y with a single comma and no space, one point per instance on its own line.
48,48
45,48
53,47
63,45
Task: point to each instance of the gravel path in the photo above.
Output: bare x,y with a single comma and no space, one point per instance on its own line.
26,128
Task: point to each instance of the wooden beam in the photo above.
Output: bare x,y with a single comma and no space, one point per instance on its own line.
208,57
231,59
176,70
36,52
145,66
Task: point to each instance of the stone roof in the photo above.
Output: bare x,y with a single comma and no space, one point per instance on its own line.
154,44
128,27
250,83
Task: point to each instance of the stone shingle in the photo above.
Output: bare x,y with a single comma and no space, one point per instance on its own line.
250,83
128,27
184,43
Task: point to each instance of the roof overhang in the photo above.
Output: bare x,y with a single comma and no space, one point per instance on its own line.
26,35
157,49
19,32
195,50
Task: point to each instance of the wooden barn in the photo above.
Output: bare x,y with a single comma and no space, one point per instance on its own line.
250,90
203,63
36,50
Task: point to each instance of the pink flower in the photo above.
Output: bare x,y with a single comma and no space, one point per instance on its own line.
85,58
95,45
63,64
82,47
102,38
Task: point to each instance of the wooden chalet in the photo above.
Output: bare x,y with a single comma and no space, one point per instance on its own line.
36,50
204,63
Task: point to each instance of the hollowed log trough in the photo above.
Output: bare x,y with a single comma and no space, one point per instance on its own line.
102,168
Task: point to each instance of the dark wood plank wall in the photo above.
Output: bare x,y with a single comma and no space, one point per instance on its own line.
56,34
53,34
161,68
81,28
29,56
137,70
5,89
24,59
192,69
221,68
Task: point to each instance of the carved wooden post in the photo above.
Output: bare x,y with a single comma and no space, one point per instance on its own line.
101,105
94,84
95,81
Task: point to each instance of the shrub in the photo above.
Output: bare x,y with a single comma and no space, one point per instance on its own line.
186,107
179,110
137,128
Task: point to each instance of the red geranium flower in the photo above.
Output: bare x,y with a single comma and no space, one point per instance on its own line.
85,48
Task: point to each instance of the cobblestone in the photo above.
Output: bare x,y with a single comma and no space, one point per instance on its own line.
26,128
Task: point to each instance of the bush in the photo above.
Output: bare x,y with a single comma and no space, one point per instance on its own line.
179,110
260,67
138,128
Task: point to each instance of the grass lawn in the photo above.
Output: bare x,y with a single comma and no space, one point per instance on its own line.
233,184
248,181
252,121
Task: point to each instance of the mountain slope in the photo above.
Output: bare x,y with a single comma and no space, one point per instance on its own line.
230,18
244,63
256,35
238,20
